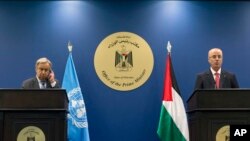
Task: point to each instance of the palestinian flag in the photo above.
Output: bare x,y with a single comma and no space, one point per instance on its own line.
173,119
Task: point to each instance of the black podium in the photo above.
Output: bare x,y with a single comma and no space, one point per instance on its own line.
210,112
33,115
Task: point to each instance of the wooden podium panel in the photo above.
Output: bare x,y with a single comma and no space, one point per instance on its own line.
35,114
210,111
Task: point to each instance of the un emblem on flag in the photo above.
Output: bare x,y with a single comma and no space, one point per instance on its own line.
77,108
123,61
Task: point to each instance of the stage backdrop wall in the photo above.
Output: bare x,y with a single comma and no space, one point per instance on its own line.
29,30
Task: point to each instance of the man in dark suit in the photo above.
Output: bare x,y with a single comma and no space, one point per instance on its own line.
216,77
45,77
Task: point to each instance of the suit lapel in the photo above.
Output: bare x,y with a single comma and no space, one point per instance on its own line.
48,85
35,83
222,79
211,79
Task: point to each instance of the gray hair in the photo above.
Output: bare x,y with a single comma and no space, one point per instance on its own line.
43,60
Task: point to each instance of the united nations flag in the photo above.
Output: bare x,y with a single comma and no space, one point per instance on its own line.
77,117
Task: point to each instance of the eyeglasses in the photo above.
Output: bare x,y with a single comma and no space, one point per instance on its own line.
44,69
216,56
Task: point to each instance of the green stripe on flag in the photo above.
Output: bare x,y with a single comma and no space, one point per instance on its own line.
167,129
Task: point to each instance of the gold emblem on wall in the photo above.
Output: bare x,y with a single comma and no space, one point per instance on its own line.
223,134
31,133
123,61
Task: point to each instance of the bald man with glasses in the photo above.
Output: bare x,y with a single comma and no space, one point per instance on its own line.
216,77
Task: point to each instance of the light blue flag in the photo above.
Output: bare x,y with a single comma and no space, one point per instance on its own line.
77,117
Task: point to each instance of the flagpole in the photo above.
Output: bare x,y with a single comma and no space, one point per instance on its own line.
77,116
173,125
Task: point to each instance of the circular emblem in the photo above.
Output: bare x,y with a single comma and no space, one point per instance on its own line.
223,134
123,61
31,133
77,108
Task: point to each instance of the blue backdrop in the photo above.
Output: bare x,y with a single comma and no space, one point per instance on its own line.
30,30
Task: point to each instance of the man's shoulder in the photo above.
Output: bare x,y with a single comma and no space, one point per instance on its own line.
226,72
204,73
29,80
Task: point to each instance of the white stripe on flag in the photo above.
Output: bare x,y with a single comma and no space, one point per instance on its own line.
177,111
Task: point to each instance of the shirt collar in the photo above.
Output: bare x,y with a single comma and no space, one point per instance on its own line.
40,81
213,72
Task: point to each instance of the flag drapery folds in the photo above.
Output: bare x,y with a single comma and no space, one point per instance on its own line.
77,117
173,124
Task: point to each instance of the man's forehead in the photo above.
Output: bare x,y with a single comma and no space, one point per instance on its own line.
215,51
43,65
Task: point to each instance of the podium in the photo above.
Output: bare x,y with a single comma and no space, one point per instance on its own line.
211,112
34,114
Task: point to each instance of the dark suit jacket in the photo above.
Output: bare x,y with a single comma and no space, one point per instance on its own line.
206,80
33,83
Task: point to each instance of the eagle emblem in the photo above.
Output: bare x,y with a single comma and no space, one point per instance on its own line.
123,59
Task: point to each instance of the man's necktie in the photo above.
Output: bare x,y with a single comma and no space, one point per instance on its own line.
43,86
217,80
